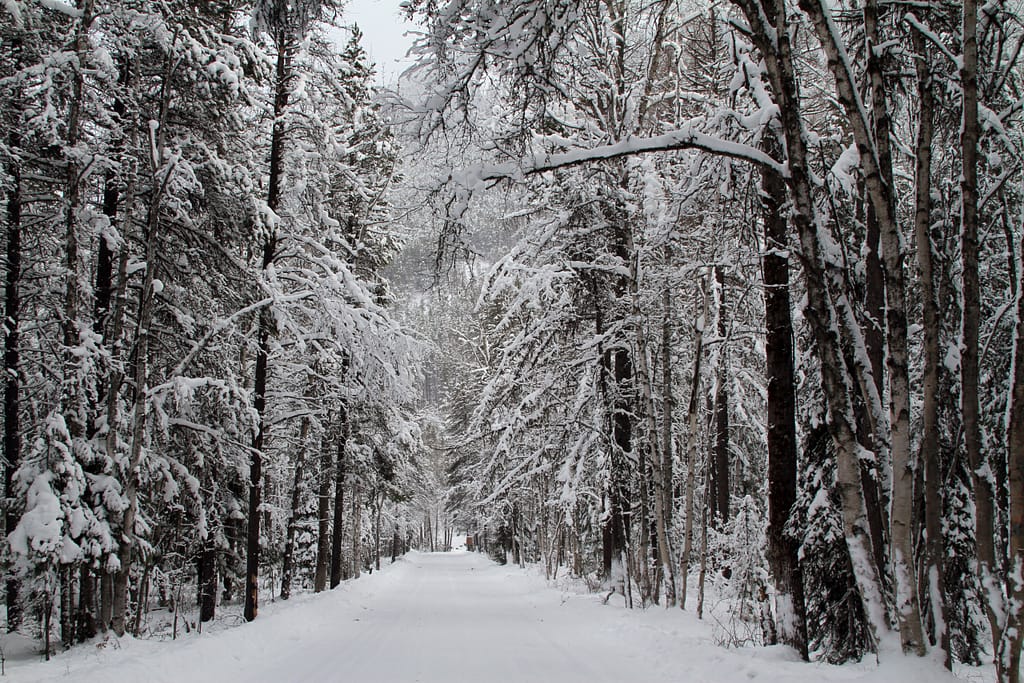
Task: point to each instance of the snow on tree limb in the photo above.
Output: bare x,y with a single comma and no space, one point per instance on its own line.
684,138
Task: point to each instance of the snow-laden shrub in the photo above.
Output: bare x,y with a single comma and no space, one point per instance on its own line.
747,618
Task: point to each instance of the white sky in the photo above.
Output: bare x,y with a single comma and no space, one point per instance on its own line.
384,34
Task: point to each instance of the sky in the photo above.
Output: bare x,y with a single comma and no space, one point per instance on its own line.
384,34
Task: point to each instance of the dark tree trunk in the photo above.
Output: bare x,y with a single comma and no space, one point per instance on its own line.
67,602
783,549
666,500
357,532
984,497
106,600
266,325
12,373
207,580
288,562
622,438
874,342
933,582
720,471
73,202
616,385
105,258
339,498
323,535
141,359
692,436
376,530
252,538
85,627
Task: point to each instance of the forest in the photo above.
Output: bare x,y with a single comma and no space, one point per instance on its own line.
691,301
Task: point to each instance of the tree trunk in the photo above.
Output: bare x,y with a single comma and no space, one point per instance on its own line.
702,575
984,494
1008,647
139,411
113,324
323,536
67,601
908,612
720,469
665,486
266,326
650,460
287,563
773,41
70,407
106,600
85,626
207,579
376,531
876,163
357,533
339,497
140,368
930,454
692,441
783,549
12,365
866,415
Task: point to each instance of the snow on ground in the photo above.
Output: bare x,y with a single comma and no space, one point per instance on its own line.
443,617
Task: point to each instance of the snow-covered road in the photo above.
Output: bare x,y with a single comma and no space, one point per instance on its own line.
455,617
448,617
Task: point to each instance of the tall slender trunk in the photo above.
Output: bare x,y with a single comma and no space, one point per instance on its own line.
12,366
288,561
107,324
266,327
869,431
161,174
773,40
73,203
113,329
876,163
650,459
692,441
984,494
339,496
323,536
207,579
357,532
719,488
930,453
702,575
140,374
904,464
665,484
616,387
376,530
1008,647
783,549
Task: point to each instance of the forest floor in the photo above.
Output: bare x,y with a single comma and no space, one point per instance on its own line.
443,617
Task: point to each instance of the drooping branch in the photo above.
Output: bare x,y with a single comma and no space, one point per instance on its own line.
684,138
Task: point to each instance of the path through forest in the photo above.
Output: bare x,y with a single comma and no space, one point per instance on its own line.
455,617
